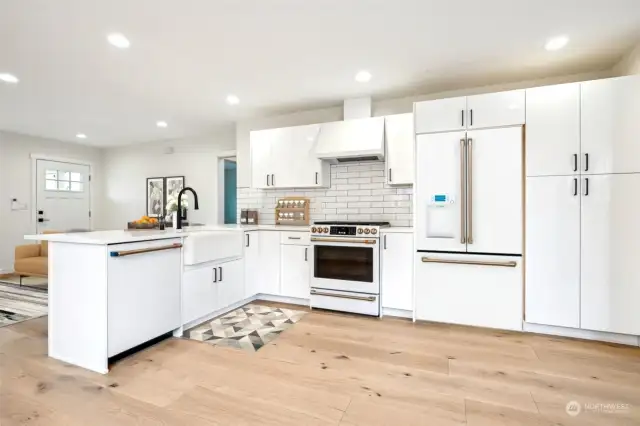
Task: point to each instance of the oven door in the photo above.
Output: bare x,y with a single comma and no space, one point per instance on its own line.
346,264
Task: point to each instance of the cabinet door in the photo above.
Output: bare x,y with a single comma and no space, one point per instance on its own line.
270,261
230,277
252,272
610,125
397,271
552,278
261,142
553,130
610,246
441,115
496,109
281,172
494,191
306,169
199,294
399,142
294,271
440,226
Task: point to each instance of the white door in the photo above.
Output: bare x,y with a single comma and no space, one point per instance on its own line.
63,197
494,191
252,274
441,115
552,270
399,144
553,130
440,192
270,262
199,294
230,281
294,271
610,126
610,249
496,109
261,143
397,271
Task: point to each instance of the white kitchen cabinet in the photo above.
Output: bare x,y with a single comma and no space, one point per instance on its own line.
264,145
553,130
609,253
252,267
610,126
496,109
441,115
270,262
399,137
199,294
143,293
552,279
494,193
229,277
294,271
397,271
484,291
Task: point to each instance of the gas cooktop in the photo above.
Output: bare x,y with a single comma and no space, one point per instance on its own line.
352,223
345,228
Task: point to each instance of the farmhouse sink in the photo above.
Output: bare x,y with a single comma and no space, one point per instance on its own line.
212,246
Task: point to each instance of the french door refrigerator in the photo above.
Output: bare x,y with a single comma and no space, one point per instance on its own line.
469,227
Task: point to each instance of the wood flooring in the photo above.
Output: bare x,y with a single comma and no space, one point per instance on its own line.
330,369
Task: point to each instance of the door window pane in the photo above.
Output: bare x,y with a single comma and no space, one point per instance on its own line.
63,175
51,174
63,185
344,263
76,177
76,186
51,185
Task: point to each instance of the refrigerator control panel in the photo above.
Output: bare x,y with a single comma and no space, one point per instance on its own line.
441,199
442,217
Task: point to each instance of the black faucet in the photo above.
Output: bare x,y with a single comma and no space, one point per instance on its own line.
195,205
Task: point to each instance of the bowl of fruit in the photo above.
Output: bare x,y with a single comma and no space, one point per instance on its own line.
145,222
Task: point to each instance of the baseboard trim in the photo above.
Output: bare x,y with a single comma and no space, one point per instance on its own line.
400,313
282,299
601,336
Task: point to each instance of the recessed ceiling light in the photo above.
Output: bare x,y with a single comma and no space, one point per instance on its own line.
161,124
233,100
8,78
363,76
556,43
81,136
118,40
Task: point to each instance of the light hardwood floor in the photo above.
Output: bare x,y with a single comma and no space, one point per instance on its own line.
329,369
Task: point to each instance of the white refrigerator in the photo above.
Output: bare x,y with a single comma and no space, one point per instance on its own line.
469,227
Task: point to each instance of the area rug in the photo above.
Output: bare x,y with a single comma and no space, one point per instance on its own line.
21,303
37,282
248,328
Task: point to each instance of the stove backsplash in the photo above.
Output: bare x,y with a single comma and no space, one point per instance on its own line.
358,192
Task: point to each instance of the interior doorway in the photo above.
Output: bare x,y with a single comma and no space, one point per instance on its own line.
227,188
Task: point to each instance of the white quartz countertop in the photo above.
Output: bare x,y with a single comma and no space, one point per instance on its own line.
125,236
398,230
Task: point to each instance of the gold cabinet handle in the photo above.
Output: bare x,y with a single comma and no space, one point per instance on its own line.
509,264
344,296
463,193
122,253
470,190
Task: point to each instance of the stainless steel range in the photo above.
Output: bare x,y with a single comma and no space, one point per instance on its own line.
345,272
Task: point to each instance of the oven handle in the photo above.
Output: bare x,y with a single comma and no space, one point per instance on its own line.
342,240
344,296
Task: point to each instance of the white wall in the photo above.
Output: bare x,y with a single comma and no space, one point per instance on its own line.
629,64
127,169
379,108
15,182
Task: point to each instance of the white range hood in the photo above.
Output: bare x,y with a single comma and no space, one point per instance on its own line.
358,138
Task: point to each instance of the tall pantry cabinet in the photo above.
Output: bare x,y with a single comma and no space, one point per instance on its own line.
583,232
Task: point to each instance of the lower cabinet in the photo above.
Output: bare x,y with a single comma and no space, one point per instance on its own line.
294,271
397,271
230,280
269,274
252,268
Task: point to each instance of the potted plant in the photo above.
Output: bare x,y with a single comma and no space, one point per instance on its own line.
172,208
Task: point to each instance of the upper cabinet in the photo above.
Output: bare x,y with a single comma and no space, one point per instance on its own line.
610,125
441,115
471,112
399,137
285,158
553,130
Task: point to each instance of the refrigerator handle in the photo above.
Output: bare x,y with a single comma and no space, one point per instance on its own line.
469,191
463,193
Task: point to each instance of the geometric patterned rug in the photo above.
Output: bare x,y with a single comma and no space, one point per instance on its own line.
248,328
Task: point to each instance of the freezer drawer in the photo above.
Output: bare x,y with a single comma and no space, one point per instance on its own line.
484,291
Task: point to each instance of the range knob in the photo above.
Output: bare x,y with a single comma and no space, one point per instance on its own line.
367,230
374,231
359,230
326,230
313,229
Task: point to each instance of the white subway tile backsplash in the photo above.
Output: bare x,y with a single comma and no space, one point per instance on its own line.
358,192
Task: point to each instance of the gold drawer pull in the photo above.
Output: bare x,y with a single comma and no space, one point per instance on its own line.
344,296
145,250
509,264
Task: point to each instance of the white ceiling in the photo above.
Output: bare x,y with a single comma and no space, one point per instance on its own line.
276,55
